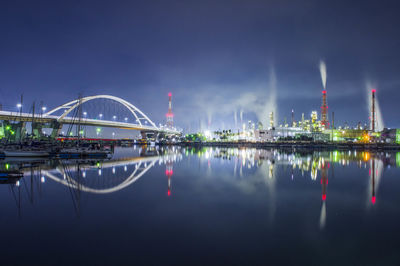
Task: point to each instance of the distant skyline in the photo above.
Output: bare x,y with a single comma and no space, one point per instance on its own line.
216,57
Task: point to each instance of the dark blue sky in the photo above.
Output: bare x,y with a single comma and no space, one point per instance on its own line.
215,56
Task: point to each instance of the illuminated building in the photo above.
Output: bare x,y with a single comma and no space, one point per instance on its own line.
314,117
271,120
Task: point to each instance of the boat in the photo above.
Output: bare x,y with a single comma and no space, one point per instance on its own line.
25,153
83,152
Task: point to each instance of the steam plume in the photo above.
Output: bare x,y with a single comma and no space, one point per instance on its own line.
322,70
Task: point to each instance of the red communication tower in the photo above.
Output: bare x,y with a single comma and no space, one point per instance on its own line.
170,115
324,111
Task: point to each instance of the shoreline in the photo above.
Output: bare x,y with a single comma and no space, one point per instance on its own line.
296,145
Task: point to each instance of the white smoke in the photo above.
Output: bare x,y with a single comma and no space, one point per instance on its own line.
235,119
379,119
322,217
209,119
272,99
322,70
257,98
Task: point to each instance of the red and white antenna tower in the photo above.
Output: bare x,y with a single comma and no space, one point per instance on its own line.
324,111
170,115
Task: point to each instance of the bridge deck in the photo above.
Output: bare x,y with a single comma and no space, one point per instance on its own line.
27,117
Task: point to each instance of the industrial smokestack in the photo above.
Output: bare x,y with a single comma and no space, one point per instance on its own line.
170,115
373,113
324,111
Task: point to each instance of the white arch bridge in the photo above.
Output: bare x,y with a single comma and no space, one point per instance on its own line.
142,122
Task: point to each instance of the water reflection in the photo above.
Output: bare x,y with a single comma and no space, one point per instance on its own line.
28,176
314,164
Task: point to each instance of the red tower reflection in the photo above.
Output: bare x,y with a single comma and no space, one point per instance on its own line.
373,175
169,172
324,178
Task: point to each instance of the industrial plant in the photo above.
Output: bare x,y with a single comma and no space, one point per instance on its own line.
317,127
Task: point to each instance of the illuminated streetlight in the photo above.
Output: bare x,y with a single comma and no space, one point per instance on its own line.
114,117
85,113
101,115
126,119
19,105
44,108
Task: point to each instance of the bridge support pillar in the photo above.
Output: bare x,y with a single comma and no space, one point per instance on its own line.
56,129
14,132
37,130
2,130
149,135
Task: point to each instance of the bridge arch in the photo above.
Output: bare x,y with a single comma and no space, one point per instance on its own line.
70,106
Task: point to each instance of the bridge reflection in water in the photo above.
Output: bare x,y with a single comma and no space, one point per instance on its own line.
90,176
110,176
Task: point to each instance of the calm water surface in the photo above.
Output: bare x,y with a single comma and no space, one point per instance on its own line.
203,207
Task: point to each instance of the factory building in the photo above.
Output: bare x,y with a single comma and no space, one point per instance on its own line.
390,136
349,134
277,133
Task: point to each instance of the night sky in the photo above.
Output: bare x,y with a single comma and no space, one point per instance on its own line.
216,57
